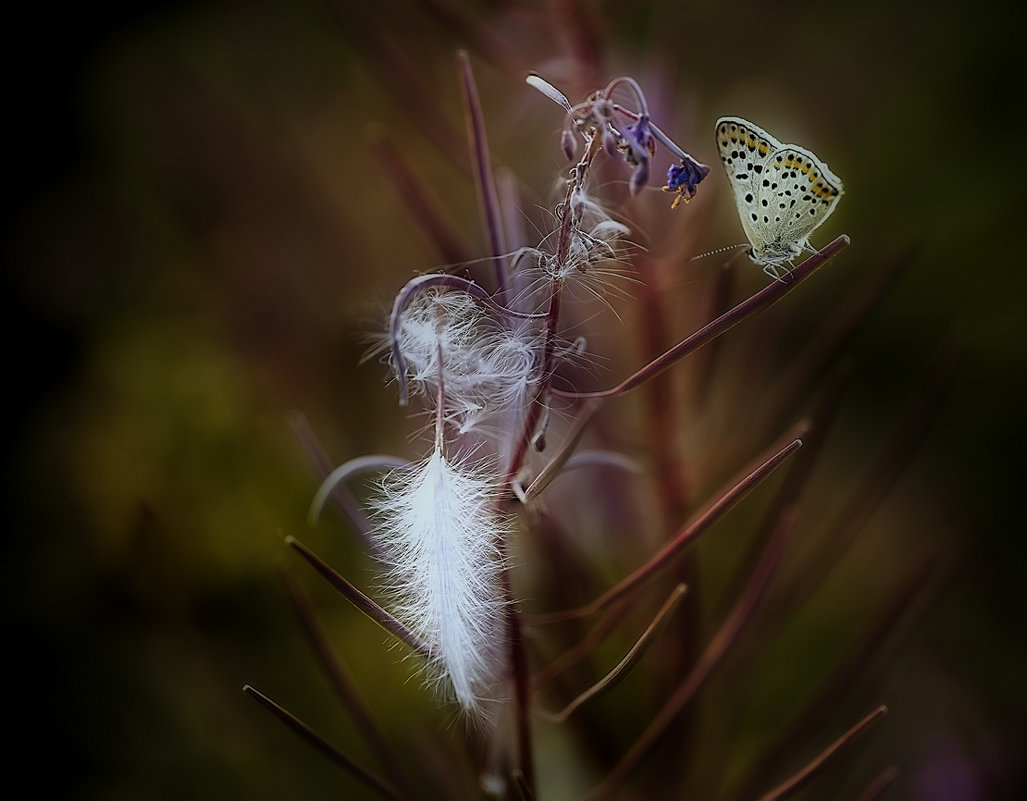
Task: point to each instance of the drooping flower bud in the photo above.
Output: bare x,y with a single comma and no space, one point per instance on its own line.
569,144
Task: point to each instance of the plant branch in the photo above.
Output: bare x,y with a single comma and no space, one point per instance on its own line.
341,682
481,167
687,535
321,744
804,776
715,651
763,299
375,612
420,204
622,668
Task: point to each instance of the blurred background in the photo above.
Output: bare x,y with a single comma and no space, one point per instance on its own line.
200,239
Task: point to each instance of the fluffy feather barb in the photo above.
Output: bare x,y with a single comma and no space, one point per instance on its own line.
438,527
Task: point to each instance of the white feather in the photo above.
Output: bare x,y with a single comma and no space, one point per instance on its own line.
438,525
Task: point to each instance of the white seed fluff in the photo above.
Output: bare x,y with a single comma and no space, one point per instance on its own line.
438,526
487,369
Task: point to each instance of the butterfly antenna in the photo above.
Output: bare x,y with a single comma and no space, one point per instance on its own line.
718,250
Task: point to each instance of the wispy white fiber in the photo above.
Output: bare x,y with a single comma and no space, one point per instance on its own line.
487,368
438,526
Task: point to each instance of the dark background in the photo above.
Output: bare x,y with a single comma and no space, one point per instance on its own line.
198,241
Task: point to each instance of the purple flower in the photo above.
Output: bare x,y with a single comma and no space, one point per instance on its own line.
683,178
638,141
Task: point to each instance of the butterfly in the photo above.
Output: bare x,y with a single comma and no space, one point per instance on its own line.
783,192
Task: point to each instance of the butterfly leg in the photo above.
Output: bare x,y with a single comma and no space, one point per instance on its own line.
770,270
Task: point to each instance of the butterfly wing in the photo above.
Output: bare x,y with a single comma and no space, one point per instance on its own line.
796,194
745,150
783,192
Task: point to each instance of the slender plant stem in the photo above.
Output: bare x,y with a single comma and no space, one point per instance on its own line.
339,677
556,465
630,659
518,657
722,641
686,536
763,299
552,324
898,611
582,648
521,681
375,612
381,787
821,761
481,167
881,782
419,202
333,484
323,466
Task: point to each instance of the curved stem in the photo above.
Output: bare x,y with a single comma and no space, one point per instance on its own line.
420,284
632,84
362,464
629,660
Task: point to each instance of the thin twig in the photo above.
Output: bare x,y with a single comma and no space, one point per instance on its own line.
375,612
763,299
559,460
898,611
372,463
804,776
321,744
334,669
882,781
715,651
581,648
420,204
521,680
622,668
323,467
687,535
481,168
